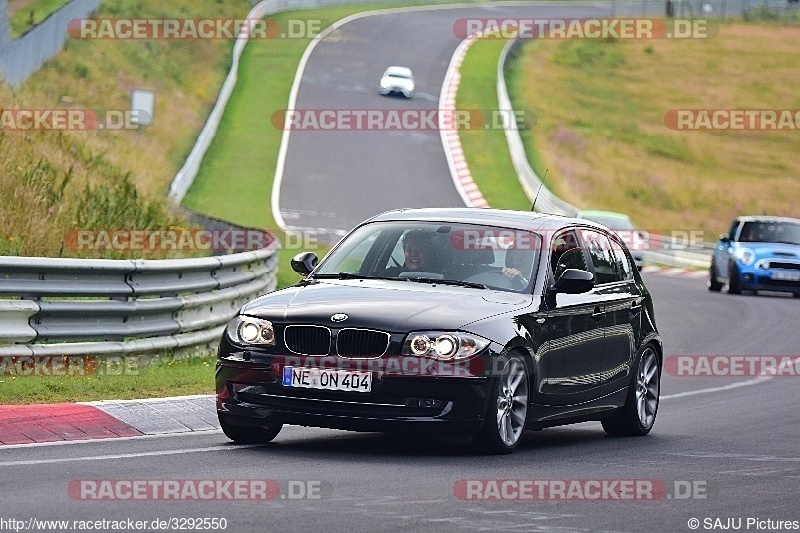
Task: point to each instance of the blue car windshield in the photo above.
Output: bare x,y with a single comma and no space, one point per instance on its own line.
779,232
451,253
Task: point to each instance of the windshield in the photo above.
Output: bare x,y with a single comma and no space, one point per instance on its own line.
398,74
783,232
428,252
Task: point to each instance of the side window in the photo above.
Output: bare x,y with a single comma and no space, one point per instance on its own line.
624,267
566,253
734,227
599,248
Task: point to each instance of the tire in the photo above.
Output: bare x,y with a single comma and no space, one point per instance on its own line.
733,280
508,407
637,416
713,284
249,434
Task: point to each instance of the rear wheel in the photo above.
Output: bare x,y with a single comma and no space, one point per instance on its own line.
249,434
508,409
637,416
713,284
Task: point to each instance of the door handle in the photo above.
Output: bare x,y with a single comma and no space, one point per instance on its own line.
636,309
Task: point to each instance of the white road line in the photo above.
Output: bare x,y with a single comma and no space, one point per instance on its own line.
128,455
730,386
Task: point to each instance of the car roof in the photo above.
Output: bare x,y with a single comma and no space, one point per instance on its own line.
393,70
526,220
767,218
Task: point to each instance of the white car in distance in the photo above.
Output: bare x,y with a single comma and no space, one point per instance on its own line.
397,80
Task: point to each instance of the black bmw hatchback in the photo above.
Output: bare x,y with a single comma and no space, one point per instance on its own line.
475,321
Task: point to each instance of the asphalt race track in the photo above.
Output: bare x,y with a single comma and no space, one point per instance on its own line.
333,180
726,454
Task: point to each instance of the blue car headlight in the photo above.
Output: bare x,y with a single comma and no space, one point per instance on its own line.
745,256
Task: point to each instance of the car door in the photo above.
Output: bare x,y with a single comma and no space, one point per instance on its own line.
624,300
571,330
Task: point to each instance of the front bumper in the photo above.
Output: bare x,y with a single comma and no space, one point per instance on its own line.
779,280
252,391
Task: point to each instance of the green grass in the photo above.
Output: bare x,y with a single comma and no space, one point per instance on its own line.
23,19
167,377
486,150
601,131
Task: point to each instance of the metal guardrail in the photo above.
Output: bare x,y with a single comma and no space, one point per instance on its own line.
116,307
546,201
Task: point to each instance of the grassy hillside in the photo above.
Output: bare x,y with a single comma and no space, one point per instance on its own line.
55,181
600,107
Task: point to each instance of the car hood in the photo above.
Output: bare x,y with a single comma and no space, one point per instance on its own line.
392,306
765,250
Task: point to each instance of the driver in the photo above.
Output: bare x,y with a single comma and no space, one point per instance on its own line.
517,261
418,251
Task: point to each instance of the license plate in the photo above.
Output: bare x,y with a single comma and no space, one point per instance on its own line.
786,276
320,378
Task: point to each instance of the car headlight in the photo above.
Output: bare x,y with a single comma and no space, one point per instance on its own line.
249,330
746,256
445,345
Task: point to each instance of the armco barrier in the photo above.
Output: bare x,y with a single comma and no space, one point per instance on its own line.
122,307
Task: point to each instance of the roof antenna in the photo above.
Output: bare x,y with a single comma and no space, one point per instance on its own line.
541,183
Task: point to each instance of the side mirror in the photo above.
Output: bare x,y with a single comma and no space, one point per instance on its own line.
304,262
725,238
574,281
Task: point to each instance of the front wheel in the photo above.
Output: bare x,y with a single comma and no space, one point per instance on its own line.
713,284
248,434
734,286
508,410
637,416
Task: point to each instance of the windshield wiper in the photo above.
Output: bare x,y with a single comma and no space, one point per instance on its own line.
351,275
449,282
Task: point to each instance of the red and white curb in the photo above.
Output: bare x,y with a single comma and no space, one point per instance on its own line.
451,141
40,423
679,272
